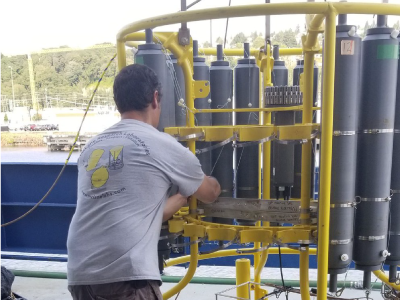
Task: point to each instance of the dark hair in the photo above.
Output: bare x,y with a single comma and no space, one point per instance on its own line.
134,88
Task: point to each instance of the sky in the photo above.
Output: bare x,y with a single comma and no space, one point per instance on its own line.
30,25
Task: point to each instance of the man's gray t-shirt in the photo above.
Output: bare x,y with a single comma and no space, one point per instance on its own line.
124,176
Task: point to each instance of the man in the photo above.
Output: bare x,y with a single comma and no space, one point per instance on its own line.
124,177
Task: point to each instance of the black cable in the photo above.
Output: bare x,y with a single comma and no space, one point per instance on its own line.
280,266
226,27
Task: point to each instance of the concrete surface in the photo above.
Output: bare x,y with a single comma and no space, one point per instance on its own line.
51,289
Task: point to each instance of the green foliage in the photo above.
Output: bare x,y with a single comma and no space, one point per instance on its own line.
367,26
285,39
5,118
58,72
206,44
238,40
397,25
219,41
37,117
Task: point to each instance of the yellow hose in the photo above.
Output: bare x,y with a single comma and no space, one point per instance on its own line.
382,276
194,258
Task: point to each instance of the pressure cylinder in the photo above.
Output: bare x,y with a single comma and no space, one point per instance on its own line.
221,85
151,55
202,72
282,175
247,85
247,89
179,91
296,190
344,150
375,148
394,230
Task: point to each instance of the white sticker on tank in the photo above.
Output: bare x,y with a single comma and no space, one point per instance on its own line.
347,47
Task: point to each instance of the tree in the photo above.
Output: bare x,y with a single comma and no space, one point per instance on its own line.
366,27
5,118
258,43
238,40
397,25
285,39
219,41
206,44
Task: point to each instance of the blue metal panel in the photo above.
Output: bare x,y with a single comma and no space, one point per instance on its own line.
44,230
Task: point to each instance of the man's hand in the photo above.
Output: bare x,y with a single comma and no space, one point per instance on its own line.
174,203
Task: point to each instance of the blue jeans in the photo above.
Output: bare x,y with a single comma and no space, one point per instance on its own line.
125,290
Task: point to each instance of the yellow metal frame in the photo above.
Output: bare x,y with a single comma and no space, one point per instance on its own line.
318,13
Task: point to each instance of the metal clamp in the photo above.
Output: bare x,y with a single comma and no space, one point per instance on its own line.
247,188
394,232
313,135
170,236
223,143
350,204
387,199
241,251
188,243
289,142
190,136
344,132
395,191
264,140
221,247
340,242
376,131
371,238
397,131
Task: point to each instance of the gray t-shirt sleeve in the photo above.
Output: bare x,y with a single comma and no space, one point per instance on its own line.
182,167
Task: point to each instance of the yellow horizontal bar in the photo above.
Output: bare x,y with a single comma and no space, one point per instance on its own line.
232,252
239,227
246,133
367,8
221,110
258,10
227,52
224,12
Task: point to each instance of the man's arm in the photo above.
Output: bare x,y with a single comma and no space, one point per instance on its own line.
173,204
209,190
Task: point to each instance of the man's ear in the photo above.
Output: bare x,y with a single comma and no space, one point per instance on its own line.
155,103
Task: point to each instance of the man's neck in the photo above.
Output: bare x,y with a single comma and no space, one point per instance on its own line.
137,115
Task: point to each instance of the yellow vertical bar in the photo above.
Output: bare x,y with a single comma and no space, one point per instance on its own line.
267,146
260,122
242,276
308,77
304,267
187,68
326,152
188,74
121,55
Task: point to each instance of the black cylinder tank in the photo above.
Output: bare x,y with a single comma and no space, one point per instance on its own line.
179,91
246,84
282,172
247,89
296,190
202,72
151,55
221,85
375,147
344,150
394,230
